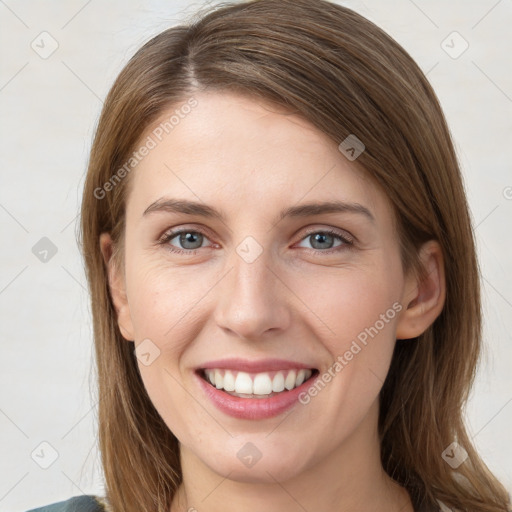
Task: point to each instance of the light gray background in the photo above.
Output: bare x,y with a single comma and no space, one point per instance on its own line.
49,110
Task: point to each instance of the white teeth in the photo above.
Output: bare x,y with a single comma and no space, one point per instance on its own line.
278,382
243,383
219,379
289,382
300,377
229,381
259,385
244,395
262,384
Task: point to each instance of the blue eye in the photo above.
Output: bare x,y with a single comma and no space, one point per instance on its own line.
327,237
192,240
185,237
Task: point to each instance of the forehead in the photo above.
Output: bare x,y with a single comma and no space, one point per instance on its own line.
244,155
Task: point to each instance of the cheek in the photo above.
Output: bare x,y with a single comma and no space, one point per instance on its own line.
349,304
164,307
358,312
170,398
164,301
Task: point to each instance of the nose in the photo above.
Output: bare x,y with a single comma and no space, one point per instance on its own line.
254,300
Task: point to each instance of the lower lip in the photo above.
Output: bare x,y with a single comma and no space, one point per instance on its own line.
254,408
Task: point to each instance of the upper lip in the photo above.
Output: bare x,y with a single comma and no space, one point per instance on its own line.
262,365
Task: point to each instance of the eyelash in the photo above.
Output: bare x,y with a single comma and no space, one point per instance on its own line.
348,243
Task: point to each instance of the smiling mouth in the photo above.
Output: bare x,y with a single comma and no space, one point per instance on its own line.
256,385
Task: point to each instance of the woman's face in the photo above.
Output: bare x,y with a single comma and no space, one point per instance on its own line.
253,286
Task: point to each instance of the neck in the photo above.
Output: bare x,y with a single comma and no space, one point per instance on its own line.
347,479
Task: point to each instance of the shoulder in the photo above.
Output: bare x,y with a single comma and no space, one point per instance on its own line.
86,503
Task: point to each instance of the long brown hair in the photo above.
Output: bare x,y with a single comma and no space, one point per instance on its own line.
346,76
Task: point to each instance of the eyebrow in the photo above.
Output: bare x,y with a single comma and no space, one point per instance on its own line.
303,210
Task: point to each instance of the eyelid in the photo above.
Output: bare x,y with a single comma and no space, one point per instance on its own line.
348,240
331,230
312,229
171,233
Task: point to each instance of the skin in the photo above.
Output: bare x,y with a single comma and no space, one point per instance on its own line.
250,159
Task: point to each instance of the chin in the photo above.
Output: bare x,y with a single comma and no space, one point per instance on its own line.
253,460
263,472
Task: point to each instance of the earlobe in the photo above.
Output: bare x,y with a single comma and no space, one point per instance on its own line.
117,288
423,299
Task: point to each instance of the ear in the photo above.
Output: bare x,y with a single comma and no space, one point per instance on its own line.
423,299
117,288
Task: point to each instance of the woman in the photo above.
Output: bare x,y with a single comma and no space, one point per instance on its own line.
257,369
